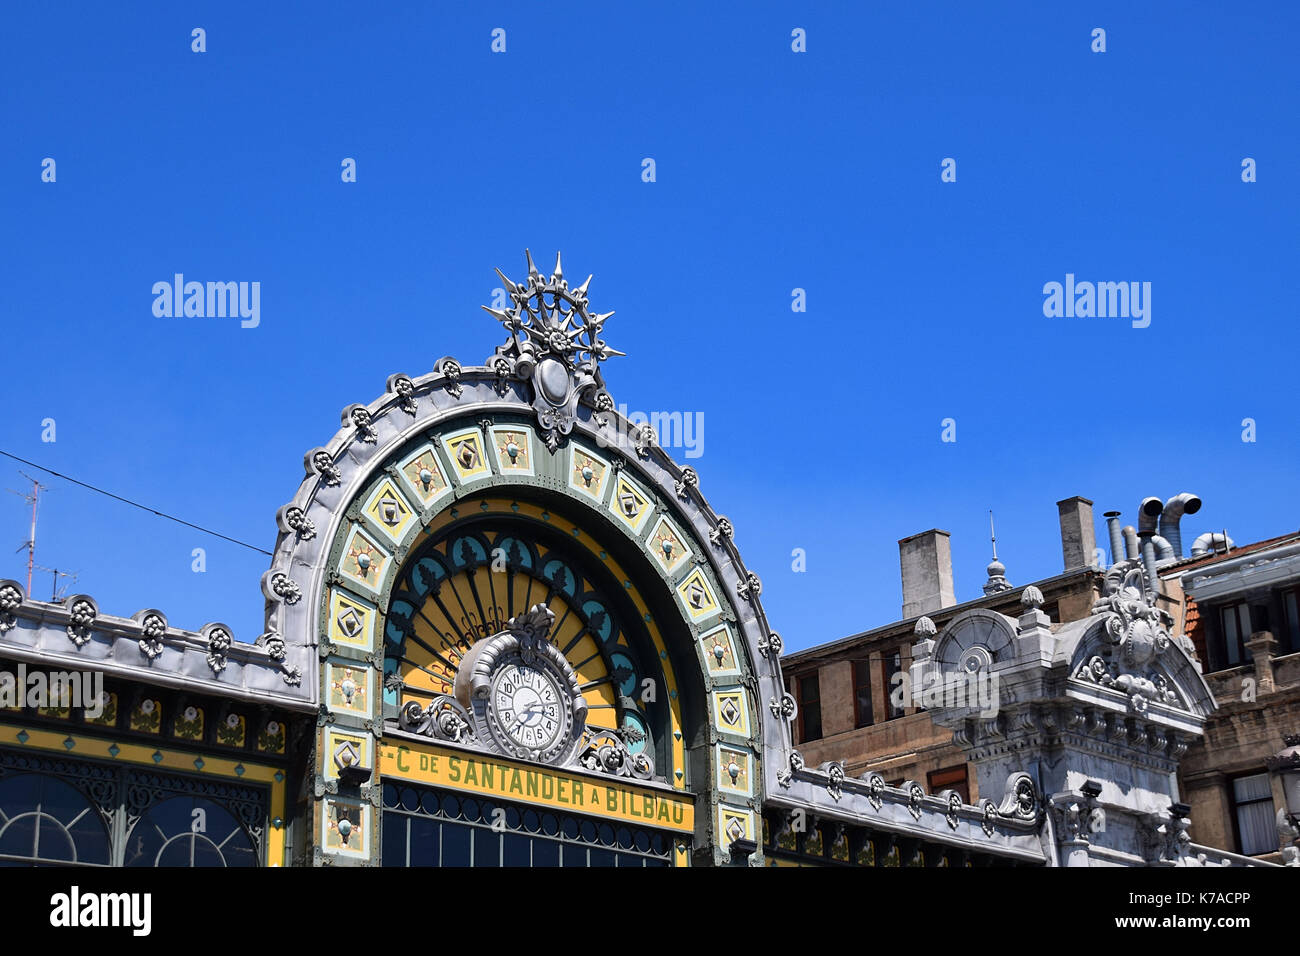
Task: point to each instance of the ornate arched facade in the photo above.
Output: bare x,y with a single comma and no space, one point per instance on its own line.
511,501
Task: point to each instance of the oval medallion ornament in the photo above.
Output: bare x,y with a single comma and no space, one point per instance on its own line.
553,380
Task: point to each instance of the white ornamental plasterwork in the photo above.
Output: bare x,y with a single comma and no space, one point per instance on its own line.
1139,637
11,599
555,345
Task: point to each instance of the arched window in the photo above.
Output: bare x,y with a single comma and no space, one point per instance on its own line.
44,821
189,831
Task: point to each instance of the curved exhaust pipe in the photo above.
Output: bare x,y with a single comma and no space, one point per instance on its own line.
1130,542
1164,550
1175,508
1211,542
1148,514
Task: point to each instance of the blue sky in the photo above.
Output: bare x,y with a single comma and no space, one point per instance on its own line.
775,170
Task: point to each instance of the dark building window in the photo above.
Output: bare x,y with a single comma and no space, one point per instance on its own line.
1234,621
1289,640
424,827
895,687
1252,810
951,778
45,821
810,708
862,693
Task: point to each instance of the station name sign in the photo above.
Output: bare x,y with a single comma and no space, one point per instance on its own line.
455,770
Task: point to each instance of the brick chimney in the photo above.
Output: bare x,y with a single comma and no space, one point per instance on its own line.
926,562
1078,539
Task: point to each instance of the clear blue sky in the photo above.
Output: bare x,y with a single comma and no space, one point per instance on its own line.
775,170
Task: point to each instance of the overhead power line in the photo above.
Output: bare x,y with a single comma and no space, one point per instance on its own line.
136,504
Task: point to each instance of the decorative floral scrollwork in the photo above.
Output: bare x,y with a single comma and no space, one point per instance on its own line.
154,628
274,645
1021,801
914,797
835,773
786,777
954,808
402,386
218,648
10,600
750,588
286,588
785,708
81,620
450,369
771,645
606,751
688,480
443,719
989,822
531,629
723,530
875,790
297,519
364,425
325,467
644,438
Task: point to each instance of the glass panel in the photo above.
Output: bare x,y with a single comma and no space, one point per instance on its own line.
574,855
862,700
515,850
1258,828
424,842
455,845
546,853
1255,787
189,831
1231,637
394,848
487,847
41,816
601,857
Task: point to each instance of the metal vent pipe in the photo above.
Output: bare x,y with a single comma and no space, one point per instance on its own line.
1116,539
1175,508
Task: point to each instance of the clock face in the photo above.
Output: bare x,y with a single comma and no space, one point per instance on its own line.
528,705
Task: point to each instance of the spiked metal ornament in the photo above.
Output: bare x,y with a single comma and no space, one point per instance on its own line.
554,344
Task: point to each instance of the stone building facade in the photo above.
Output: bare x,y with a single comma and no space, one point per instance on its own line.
858,701
503,627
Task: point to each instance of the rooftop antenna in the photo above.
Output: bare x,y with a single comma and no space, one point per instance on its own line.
58,593
30,543
993,535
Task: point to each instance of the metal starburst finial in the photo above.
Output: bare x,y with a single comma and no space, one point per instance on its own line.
554,343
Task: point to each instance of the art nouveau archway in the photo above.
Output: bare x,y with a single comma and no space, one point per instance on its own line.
441,510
